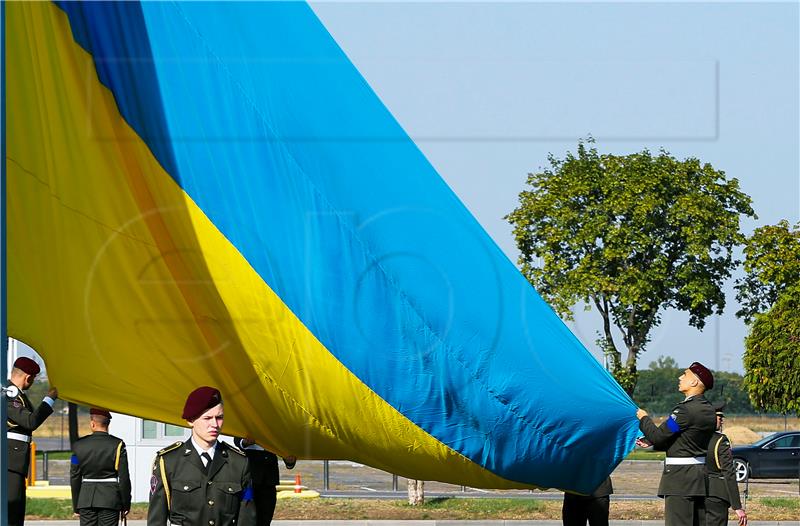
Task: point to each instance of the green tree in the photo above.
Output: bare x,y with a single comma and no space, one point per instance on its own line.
657,389
630,236
772,355
772,263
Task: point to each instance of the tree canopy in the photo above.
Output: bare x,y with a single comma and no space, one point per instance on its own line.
629,235
772,355
772,264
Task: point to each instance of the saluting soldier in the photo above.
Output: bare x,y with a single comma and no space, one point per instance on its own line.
99,477
201,482
684,435
23,419
266,476
723,491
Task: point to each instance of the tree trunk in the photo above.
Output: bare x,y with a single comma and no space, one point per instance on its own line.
416,492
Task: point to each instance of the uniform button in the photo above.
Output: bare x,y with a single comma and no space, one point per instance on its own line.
230,489
211,523
185,488
211,503
209,482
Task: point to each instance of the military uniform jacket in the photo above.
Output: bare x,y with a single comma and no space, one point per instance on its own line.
100,457
23,419
182,493
721,475
684,434
263,465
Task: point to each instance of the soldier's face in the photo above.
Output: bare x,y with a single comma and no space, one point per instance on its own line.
208,426
687,380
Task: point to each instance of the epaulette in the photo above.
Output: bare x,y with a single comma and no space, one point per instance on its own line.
167,449
234,449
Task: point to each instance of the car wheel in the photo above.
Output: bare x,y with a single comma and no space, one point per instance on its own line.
741,469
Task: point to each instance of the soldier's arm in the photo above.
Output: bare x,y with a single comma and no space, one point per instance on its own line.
247,508
28,419
664,435
124,479
158,509
75,478
724,458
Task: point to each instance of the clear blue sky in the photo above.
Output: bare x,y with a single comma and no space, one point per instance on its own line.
488,89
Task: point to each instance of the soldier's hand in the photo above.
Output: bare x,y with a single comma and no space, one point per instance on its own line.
742,517
641,413
53,393
643,443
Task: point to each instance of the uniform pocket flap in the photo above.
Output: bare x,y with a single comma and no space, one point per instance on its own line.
184,485
231,488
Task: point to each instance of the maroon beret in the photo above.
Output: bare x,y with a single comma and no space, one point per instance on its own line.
27,365
703,374
99,412
199,401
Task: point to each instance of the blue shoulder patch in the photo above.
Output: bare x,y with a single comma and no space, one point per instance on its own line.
672,424
73,460
247,494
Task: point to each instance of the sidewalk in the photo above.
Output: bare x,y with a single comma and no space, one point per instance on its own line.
433,523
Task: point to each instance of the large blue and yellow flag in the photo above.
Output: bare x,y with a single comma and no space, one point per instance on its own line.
211,194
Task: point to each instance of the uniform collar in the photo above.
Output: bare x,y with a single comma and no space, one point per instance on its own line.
200,450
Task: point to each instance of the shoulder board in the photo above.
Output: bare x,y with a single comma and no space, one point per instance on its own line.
167,449
233,449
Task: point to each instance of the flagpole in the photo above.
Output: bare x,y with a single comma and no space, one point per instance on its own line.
3,288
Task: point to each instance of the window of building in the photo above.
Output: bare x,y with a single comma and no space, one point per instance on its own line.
153,430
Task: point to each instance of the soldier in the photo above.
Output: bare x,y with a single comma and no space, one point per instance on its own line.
99,477
201,482
264,470
578,509
22,421
723,492
684,435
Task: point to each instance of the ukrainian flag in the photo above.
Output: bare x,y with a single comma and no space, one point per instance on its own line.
211,194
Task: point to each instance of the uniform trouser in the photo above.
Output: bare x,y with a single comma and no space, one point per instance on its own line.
716,511
578,509
684,511
99,516
265,498
16,499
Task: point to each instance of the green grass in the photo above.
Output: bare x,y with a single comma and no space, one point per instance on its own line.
60,508
56,455
781,502
644,454
480,506
50,508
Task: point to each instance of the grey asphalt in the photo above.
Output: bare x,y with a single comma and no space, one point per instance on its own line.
431,523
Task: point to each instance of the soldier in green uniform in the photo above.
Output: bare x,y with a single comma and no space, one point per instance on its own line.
201,482
99,477
723,492
23,419
684,435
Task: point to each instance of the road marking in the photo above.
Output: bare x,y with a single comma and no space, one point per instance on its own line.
368,489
